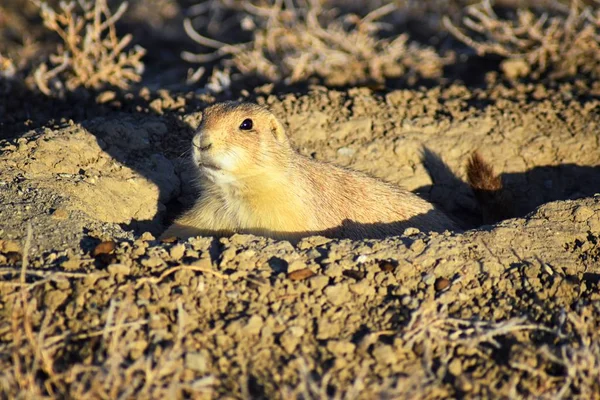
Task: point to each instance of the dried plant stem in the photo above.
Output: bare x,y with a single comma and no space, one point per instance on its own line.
155,280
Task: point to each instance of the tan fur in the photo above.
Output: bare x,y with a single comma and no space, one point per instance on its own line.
264,187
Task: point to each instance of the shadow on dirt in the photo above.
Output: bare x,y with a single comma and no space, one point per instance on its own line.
521,194
140,147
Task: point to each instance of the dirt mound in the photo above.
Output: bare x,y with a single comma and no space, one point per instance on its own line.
488,313
502,311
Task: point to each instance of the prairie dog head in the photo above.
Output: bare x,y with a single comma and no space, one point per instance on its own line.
238,140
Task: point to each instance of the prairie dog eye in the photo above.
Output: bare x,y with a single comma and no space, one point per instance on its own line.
246,124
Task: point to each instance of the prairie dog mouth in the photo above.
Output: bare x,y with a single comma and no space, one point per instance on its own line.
208,165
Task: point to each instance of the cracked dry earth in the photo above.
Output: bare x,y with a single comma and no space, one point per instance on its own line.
91,307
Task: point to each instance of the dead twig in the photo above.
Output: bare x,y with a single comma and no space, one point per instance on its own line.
155,280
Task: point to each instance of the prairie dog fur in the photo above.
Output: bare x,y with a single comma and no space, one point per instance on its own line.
253,181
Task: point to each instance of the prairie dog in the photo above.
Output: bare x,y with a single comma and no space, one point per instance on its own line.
253,181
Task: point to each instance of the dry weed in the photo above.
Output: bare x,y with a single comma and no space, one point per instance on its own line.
38,360
563,44
92,54
293,41
7,67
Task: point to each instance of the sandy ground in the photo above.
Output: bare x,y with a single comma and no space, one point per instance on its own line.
90,306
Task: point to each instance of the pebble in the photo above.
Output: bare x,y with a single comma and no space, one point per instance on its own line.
177,251
363,287
55,298
338,294
441,284
340,347
291,338
197,361
60,214
118,269
417,246
318,282
152,262
455,367
106,247
296,265
301,274
386,266
429,279
71,264
254,325
385,354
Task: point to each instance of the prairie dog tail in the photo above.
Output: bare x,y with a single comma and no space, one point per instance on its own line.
496,203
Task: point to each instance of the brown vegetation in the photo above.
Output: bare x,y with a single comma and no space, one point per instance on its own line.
292,43
562,44
92,54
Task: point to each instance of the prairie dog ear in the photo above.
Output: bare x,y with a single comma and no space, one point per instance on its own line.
278,130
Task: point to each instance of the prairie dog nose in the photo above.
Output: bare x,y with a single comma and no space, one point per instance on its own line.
201,144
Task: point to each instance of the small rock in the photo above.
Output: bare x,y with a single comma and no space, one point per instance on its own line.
106,247
296,265
334,270
152,262
455,367
429,279
55,298
441,284
386,266
60,214
363,287
411,231
137,348
177,251
254,325
146,237
105,97
318,282
71,264
327,329
346,151
312,241
338,294
118,269
385,354
340,347
197,361
417,246
464,385
357,275
301,274
291,338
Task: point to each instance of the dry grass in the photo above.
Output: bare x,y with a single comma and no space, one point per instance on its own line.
436,339
294,41
92,54
562,44
118,359
7,67
39,370
38,354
